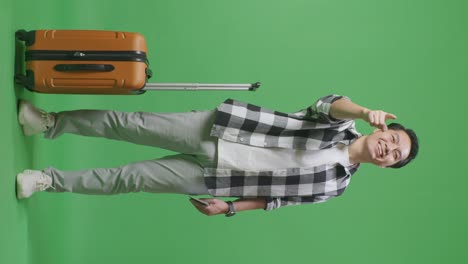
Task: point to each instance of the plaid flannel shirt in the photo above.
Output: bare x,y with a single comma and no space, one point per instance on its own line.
310,129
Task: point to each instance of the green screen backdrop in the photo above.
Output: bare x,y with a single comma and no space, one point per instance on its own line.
408,57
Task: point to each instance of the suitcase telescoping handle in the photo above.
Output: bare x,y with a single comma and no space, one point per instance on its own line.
202,86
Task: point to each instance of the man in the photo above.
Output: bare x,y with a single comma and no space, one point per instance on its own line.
267,159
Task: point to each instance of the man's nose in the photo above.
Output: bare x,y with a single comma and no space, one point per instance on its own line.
391,146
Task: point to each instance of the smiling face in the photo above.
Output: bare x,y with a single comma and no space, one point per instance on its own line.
386,148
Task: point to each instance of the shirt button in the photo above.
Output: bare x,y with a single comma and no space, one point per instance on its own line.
241,139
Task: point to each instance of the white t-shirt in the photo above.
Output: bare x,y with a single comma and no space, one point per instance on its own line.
250,158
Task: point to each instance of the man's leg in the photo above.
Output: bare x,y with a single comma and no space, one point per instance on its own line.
180,132
172,174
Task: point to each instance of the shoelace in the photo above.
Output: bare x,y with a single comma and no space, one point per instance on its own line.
47,118
44,183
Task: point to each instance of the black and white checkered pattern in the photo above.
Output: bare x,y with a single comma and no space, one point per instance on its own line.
311,128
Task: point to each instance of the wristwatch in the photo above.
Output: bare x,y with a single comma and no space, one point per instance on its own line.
231,211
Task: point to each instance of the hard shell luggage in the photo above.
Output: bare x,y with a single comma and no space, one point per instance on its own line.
94,62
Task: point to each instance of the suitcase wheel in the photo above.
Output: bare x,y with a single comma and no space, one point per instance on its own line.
27,36
20,79
25,80
137,92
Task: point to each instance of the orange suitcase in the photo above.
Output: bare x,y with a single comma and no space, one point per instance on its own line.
94,62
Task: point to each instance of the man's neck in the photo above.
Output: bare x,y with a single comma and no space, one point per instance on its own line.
356,151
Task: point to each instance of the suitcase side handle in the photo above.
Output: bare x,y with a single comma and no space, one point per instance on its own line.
84,67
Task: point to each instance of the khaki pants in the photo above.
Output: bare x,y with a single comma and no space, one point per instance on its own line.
186,133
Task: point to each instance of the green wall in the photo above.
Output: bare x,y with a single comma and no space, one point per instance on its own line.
408,57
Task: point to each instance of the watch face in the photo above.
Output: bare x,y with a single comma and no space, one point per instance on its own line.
230,213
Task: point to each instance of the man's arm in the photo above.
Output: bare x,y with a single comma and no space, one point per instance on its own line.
221,207
345,109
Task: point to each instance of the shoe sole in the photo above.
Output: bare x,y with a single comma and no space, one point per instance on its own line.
19,190
21,112
27,130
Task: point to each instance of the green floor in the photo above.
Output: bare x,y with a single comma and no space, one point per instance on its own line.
408,57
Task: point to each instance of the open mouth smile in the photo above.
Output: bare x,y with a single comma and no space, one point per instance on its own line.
379,150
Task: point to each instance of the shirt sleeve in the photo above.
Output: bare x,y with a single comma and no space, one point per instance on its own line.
275,203
320,110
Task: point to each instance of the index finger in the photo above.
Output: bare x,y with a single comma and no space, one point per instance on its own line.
384,127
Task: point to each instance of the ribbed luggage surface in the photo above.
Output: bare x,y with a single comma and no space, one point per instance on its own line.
84,61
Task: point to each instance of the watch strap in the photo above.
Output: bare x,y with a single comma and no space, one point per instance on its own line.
231,211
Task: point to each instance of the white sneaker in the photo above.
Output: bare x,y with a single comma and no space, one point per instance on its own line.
34,120
31,181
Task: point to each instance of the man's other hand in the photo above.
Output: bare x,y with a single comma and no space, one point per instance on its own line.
216,206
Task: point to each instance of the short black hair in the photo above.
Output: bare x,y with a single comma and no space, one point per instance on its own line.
414,145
